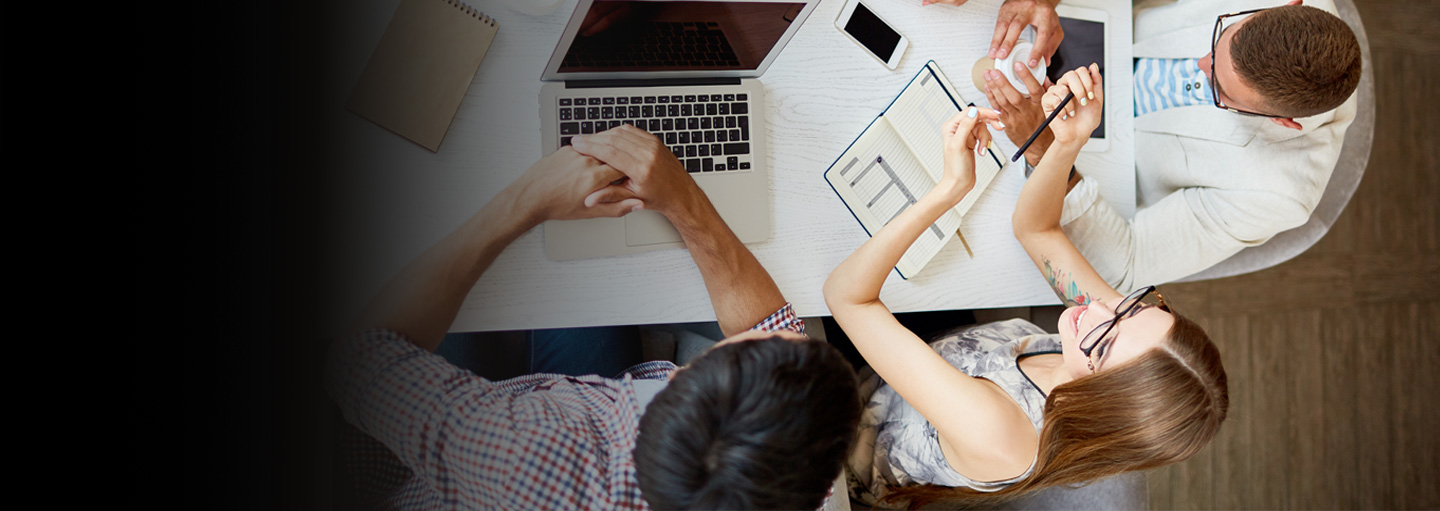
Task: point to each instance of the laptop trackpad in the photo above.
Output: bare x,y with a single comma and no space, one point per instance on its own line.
648,228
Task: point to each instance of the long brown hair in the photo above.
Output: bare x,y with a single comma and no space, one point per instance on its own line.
1160,408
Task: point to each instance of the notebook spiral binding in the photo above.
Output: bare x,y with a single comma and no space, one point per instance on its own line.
473,12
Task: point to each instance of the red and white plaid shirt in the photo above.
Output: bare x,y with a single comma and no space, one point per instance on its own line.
448,439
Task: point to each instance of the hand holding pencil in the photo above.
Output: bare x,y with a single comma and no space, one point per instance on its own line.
1074,120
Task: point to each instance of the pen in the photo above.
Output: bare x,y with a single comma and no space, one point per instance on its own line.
1068,96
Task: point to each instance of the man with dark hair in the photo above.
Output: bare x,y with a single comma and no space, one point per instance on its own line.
1211,181
762,420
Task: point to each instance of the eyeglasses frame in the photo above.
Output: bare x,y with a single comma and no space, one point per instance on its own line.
1214,83
1122,311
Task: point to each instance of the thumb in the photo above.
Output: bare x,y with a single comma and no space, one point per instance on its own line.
608,194
617,209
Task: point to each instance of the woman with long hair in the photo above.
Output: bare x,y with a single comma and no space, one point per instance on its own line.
996,411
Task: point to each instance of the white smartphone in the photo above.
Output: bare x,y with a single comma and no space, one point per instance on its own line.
867,29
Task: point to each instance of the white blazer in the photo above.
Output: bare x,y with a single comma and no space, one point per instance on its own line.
1209,182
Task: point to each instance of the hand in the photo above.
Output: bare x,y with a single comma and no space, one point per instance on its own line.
1014,16
964,137
1081,114
1022,115
555,188
652,174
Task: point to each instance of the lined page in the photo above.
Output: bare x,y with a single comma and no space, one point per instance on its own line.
879,178
919,113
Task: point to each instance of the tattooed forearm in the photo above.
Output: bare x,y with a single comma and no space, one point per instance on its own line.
1064,285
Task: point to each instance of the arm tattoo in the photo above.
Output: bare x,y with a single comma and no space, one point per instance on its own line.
1064,285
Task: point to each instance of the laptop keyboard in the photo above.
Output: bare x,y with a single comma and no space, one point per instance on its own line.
707,132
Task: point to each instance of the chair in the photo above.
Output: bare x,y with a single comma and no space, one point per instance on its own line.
1348,169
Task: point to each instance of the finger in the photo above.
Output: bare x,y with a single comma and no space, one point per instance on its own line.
1099,82
1032,85
990,94
1083,74
611,147
1002,27
1047,39
1012,96
950,129
1012,33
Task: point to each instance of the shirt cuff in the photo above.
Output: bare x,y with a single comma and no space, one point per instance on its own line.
1079,201
784,318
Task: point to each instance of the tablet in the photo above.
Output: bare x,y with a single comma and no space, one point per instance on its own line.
1084,44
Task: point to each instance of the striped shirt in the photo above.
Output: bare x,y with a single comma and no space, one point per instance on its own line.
1167,83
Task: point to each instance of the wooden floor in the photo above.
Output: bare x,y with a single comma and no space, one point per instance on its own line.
1334,357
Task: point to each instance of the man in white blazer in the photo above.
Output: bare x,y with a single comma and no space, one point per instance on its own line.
1212,181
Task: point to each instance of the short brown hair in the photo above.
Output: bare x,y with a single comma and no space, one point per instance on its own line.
1303,60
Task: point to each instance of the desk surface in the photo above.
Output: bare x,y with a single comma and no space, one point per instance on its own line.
394,199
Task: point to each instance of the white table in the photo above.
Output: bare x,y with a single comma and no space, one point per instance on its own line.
394,199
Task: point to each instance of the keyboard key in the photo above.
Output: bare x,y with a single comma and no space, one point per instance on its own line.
696,136
742,97
654,125
735,135
564,141
607,101
703,150
594,101
622,101
676,99
709,136
692,123
564,101
729,97
719,166
579,114
673,110
564,114
737,148
684,137
671,139
635,100
739,108
707,164
730,122
663,99
715,149
599,126
649,100
690,98
732,163
723,109
685,109
668,124
744,165
710,109
569,128
722,136
647,111
634,112
593,112
678,151
705,123
620,112
691,151
692,165
630,122
587,128
614,124
703,98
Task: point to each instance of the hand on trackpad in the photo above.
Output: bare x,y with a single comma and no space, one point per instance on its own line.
648,228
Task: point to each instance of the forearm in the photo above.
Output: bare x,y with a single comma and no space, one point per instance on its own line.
741,291
422,301
858,279
1043,197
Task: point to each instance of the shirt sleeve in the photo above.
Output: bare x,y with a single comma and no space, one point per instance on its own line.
783,319
1186,232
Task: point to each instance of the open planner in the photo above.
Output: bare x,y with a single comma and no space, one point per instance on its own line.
898,159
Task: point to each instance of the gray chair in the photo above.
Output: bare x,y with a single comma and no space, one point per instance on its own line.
1351,166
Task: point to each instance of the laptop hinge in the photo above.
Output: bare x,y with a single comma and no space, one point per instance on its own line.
652,82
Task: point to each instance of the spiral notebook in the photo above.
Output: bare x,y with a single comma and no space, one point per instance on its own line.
422,67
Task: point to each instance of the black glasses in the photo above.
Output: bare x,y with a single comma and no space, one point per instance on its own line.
1128,307
1214,84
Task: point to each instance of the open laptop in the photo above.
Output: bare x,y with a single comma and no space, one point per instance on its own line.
680,69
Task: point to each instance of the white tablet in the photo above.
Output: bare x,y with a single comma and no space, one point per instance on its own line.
1084,44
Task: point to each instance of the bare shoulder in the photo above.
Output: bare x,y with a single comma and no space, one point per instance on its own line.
998,442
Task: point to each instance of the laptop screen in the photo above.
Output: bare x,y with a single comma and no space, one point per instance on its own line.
629,35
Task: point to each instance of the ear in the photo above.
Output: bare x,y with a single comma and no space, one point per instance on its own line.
1286,122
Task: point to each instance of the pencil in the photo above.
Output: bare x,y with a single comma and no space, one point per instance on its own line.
1068,96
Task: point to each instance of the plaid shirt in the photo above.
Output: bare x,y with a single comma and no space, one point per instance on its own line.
448,439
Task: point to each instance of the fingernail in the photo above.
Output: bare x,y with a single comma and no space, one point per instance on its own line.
1092,96
1082,101
972,112
1001,123
1034,63
1019,66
